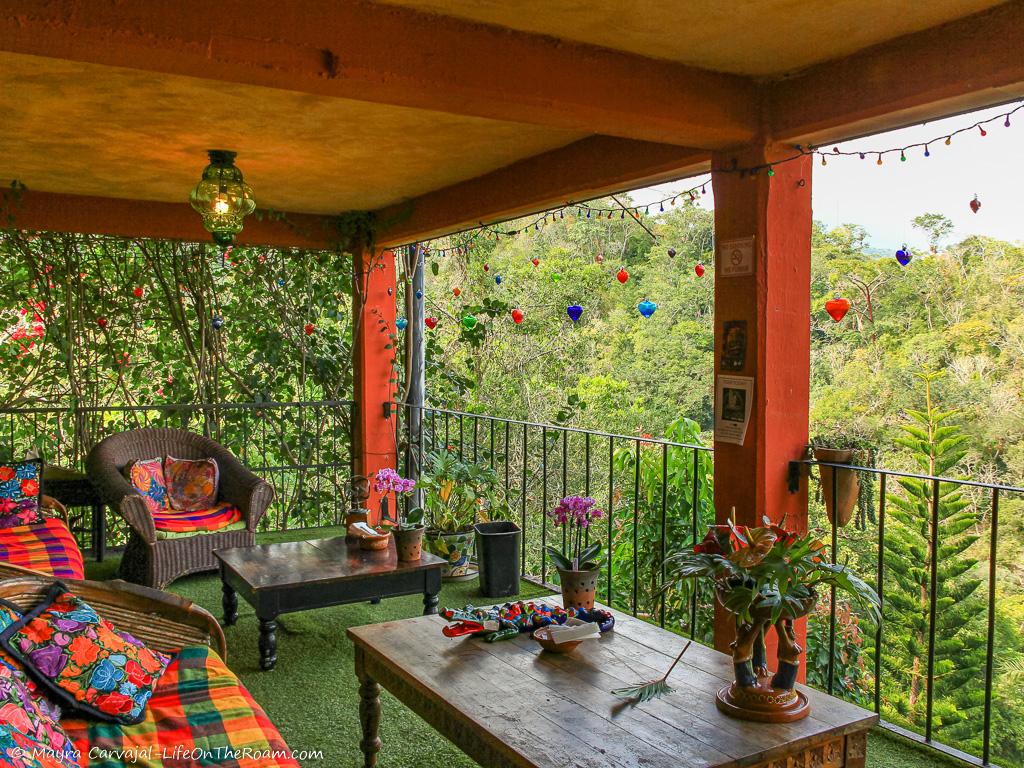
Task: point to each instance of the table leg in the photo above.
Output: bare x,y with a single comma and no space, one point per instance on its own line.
268,644
430,601
369,714
99,532
229,600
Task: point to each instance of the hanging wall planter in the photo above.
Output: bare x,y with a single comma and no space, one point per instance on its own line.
840,488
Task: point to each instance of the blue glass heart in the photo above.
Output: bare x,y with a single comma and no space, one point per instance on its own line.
903,256
575,311
646,307
419,294
401,323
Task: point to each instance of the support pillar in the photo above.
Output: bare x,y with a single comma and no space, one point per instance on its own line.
774,303
373,352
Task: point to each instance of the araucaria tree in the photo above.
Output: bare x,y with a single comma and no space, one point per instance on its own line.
928,546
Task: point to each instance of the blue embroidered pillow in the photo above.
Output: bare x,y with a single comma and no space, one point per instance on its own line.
21,488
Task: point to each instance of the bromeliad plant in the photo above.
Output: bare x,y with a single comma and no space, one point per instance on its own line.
768,570
388,481
577,513
459,493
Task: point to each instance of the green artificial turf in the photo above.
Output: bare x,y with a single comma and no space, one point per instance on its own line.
312,693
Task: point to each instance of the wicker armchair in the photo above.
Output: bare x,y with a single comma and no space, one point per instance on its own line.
157,562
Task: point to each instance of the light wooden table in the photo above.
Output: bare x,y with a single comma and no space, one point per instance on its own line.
508,704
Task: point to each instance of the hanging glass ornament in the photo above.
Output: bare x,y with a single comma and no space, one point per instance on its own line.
217,322
419,294
517,316
555,277
975,204
699,269
575,311
837,307
470,322
646,307
622,275
138,292
457,292
599,258
309,328
497,279
401,323
903,255
671,253
487,267
431,322
535,261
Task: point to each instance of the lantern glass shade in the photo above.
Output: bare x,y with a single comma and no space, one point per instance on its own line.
222,197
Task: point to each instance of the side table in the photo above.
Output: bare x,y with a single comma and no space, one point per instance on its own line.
73,489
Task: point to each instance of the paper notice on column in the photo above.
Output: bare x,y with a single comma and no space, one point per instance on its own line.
733,401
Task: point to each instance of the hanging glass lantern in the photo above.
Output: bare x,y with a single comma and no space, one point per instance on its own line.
222,198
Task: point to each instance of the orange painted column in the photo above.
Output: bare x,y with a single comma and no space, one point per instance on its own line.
374,387
762,293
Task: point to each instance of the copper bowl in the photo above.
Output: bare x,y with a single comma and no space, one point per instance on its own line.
543,637
374,543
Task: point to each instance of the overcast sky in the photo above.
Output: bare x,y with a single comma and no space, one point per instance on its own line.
884,199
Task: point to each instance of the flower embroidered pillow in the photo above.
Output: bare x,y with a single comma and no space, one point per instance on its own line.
20,492
29,736
82,661
147,477
191,484
8,615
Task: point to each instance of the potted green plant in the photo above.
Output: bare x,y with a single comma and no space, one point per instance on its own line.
840,488
407,527
766,577
578,569
458,494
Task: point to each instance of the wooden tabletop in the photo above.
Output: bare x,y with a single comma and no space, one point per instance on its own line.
270,566
507,703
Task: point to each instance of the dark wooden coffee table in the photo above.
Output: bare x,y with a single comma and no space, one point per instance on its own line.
301,575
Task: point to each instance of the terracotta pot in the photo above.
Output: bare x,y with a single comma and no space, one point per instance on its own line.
374,543
409,543
846,484
579,588
456,549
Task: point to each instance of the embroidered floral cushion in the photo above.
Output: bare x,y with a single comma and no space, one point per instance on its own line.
8,615
20,492
29,737
147,477
82,661
191,484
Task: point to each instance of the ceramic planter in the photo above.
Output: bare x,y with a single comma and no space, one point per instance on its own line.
409,543
839,487
579,588
498,545
456,549
757,694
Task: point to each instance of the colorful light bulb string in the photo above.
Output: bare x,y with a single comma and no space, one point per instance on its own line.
585,209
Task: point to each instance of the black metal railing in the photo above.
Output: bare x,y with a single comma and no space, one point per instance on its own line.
654,492
304,448
658,496
906,514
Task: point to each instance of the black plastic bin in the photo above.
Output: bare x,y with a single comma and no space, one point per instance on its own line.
497,551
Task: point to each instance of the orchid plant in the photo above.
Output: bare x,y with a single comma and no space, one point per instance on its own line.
577,513
388,481
768,568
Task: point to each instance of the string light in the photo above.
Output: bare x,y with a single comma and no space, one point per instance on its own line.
734,167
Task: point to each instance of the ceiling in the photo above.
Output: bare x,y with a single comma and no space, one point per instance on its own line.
748,37
111,132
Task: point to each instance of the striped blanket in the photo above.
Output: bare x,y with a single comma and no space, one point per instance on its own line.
47,546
